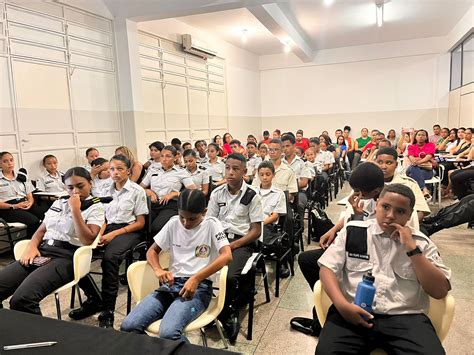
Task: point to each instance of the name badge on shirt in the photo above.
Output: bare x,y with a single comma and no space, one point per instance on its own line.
221,204
55,209
359,256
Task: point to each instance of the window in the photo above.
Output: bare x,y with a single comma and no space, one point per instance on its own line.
462,63
456,67
468,60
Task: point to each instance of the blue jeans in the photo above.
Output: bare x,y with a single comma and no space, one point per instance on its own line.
419,175
176,312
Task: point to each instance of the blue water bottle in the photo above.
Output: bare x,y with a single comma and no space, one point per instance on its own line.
365,292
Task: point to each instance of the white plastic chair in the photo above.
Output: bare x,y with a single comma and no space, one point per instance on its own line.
436,182
81,263
441,312
143,281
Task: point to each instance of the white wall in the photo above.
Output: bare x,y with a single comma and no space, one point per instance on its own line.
388,85
242,74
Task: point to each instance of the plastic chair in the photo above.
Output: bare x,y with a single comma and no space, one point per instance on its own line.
440,312
143,281
436,182
13,231
81,261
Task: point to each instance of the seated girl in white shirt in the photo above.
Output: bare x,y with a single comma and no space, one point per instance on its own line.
198,249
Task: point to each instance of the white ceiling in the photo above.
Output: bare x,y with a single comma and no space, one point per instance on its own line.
344,23
228,25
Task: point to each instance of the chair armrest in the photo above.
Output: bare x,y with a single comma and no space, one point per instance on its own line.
20,248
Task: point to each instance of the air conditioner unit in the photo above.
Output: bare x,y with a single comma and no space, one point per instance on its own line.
192,46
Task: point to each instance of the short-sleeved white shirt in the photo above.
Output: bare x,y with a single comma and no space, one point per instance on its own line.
203,160
13,189
398,290
252,165
101,187
59,223
162,182
299,167
200,176
191,250
216,170
311,167
126,204
235,216
273,201
49,183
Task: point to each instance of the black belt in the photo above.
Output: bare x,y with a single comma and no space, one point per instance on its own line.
58,243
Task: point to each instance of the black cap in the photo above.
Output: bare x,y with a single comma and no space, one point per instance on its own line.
368,277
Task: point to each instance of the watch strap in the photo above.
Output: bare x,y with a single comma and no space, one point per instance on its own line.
414,252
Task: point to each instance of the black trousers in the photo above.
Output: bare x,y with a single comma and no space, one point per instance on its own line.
459,179
308,262
396,334
31,218
114,253
30,284
234,277
161,214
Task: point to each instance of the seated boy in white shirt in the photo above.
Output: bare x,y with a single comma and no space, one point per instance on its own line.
407,269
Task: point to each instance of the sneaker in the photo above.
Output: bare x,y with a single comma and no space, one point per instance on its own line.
106,319
88,308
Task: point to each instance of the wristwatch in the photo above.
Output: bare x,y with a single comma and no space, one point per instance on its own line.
414,252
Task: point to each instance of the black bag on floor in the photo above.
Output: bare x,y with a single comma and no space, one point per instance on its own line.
450,216
320,223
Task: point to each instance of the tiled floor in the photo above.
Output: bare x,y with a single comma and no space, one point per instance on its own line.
272,333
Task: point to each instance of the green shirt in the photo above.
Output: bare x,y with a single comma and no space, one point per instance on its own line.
361,142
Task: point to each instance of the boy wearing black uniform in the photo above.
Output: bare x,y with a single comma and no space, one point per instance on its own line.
239,208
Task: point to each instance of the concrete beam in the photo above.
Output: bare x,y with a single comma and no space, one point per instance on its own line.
277,18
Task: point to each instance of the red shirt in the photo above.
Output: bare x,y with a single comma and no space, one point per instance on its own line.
414,150
368,146
303,144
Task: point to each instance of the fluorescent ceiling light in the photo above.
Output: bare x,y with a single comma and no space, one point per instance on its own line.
244,37
328,2
379,14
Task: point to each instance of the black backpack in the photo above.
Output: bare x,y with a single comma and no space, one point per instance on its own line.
320,223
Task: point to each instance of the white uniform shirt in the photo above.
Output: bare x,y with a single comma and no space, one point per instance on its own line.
321,159
154,165
235,216
299,167
311,167
13,189
127,203
88,167
252,165
49,183
330,156
284,179
101,187
203,160
191,250
216,170
398,290
273,201
200,176
59,223
163,182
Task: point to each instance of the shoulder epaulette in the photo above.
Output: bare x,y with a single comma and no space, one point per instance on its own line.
248,196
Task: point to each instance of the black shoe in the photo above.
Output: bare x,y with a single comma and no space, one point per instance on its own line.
88,308
284,272
231,327
106,319
306,326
